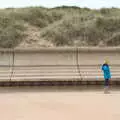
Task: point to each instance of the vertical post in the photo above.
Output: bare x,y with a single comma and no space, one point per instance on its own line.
77,63
12,66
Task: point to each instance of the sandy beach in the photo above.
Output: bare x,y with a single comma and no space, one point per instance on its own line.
59,105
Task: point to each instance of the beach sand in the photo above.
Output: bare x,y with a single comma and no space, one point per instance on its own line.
59,105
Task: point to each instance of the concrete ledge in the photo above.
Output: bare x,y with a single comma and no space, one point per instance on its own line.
54,83
55,64
61,49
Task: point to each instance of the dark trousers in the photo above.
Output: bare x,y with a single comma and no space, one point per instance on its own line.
106,83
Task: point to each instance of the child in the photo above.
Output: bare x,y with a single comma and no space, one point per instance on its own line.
107,75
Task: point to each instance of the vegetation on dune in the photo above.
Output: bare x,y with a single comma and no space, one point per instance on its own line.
62,26
85,27
10,31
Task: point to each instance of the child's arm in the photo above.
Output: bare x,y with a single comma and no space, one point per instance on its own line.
102,67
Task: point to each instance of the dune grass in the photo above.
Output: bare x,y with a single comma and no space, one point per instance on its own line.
63,26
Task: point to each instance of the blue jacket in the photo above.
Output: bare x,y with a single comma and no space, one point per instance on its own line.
106,71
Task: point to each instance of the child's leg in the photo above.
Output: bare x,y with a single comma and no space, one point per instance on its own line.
106,89
106,84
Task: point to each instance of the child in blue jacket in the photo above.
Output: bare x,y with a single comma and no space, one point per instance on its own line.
107,74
